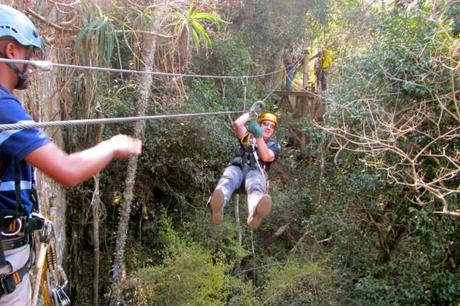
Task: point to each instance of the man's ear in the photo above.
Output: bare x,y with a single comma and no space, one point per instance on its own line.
10,49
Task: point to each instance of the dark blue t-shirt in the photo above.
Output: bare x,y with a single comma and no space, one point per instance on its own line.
246,152
14,146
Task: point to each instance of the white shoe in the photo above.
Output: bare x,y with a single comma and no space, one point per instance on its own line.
261,211
216,204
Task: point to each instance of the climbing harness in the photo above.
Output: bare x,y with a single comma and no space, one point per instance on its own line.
16,230
19,234
248,142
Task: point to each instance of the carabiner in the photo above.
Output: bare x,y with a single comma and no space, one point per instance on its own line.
256,108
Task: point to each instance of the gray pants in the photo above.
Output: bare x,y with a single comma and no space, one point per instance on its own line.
17,258
234,177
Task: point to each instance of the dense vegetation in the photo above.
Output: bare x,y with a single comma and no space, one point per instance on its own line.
366,211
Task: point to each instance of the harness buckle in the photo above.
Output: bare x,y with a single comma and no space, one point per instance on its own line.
35,222
16,229
7,283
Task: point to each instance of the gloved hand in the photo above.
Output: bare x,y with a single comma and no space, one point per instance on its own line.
254,128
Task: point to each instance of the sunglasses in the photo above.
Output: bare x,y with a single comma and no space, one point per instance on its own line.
268,124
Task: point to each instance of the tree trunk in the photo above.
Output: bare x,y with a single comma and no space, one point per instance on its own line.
42,101
95,205
145,81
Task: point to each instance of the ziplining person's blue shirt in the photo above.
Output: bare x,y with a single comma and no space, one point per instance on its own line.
15,145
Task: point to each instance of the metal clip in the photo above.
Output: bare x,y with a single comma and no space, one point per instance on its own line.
43,65
60,298
244,80
98,107
256,108
61,277
46,232
10,234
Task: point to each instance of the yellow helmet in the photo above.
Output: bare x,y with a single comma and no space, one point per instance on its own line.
268,117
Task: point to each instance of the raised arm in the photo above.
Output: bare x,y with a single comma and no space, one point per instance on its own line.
239,125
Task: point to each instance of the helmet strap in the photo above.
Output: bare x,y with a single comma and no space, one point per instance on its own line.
22,82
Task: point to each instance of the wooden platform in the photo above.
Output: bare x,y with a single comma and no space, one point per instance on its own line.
283,93
301,104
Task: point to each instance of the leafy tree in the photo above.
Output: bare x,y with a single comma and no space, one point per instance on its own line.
410,133
189,275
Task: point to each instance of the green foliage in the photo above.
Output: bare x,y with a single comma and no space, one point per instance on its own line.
385,252
300,283
190,275
374,291
191,22
360,238
97,33
400,76
228,57
451,11
268,26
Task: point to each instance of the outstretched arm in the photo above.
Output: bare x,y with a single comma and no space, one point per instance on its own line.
71,169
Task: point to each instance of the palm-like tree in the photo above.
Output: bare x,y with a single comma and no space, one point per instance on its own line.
191,27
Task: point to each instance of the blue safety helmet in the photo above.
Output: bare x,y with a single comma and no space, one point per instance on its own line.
15,24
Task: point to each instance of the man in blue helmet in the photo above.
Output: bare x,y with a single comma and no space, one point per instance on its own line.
21,150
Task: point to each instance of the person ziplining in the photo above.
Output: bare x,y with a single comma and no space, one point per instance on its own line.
249,167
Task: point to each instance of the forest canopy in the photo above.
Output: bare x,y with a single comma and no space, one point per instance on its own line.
366,207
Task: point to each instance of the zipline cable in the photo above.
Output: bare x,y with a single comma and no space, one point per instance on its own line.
68,123
48,65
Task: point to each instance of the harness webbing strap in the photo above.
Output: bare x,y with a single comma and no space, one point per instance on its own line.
3,167
3,261
8,283
17,186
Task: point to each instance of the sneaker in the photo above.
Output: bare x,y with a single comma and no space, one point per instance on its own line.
262,210
216,204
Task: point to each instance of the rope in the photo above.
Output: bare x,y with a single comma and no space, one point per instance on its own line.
48,65
68,123
244,81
